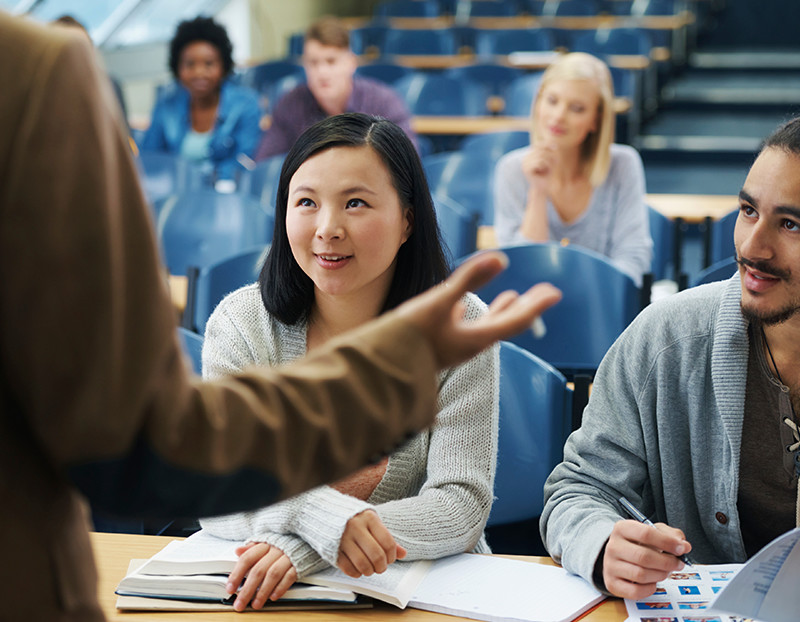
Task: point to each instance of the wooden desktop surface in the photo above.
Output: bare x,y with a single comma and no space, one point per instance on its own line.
113,552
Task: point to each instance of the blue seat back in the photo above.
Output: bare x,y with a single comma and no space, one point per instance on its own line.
465,177
607,41
219,279
399,41
201,228
599,301
493,78
719,271
192,344
521,93
466,9
662,230
407,8
495,145
501,42
367,38
535,408
570,8
388,73
722,237
163,174
437,95
458,226
261,182
261,78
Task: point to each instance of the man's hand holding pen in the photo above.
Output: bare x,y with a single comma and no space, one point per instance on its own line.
637,556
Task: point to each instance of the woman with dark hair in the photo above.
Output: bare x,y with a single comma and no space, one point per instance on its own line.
204,116
355,235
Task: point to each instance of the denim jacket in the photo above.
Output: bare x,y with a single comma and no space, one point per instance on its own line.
236,130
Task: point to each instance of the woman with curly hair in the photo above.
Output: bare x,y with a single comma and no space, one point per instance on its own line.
204,116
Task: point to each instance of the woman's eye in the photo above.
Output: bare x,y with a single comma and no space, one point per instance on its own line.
305,203
355,203
791,225
747,210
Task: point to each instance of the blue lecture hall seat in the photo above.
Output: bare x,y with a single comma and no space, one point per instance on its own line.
398,41
164,174
389,73
407,8
437,95
722,237
261,181
466,177
535,406
262,77
192,344
207,286
495,79
520,94
458,226
663,232
201,228
500,42
719,271
594,310
494,145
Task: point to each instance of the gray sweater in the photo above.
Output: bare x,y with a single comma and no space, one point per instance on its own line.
436,493
615,224
663,428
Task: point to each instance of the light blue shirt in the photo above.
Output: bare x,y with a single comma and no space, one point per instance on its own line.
195,145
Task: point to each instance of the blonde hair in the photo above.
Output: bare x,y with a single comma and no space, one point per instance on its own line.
596,149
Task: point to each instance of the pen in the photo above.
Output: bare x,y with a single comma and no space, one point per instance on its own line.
637,515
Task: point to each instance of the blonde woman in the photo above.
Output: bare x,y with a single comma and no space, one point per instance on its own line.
573,183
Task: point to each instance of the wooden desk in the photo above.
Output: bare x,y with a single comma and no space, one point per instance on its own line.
113,552
693,208
178,288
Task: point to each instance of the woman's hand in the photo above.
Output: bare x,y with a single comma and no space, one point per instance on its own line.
366,546
538,166
269,574
637,557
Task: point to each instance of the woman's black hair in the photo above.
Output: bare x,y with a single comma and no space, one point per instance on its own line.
786,137
287,292
200,29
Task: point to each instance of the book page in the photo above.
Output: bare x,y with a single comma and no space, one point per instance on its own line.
200,553
394,586
768,586
687,596
489,588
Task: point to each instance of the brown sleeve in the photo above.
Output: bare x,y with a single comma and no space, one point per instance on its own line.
90,360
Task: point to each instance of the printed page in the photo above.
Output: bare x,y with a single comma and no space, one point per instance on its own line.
200,553
394,586
687,596
494,588
768,587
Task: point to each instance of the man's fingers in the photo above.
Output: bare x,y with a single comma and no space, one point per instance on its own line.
475,273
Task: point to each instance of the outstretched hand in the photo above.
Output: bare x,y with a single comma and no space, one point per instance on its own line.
439,314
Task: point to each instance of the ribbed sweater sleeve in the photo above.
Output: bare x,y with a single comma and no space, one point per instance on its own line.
436,493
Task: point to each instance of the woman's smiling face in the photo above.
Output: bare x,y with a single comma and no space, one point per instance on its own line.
345,222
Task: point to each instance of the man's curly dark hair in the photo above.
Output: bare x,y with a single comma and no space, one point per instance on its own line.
200,29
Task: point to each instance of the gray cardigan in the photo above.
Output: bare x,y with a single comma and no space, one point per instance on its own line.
437,491
615,224
663,427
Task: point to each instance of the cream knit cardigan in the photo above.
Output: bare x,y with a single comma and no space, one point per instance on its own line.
436,493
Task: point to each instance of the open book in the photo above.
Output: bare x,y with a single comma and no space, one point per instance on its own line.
481,587
197,569
765,589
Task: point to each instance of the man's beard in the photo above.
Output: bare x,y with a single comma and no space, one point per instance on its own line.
769,318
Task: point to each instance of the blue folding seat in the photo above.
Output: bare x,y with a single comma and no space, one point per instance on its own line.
424,41
534,423
200,228
458,227
521,93
499,42
407,8
437,95
388,73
